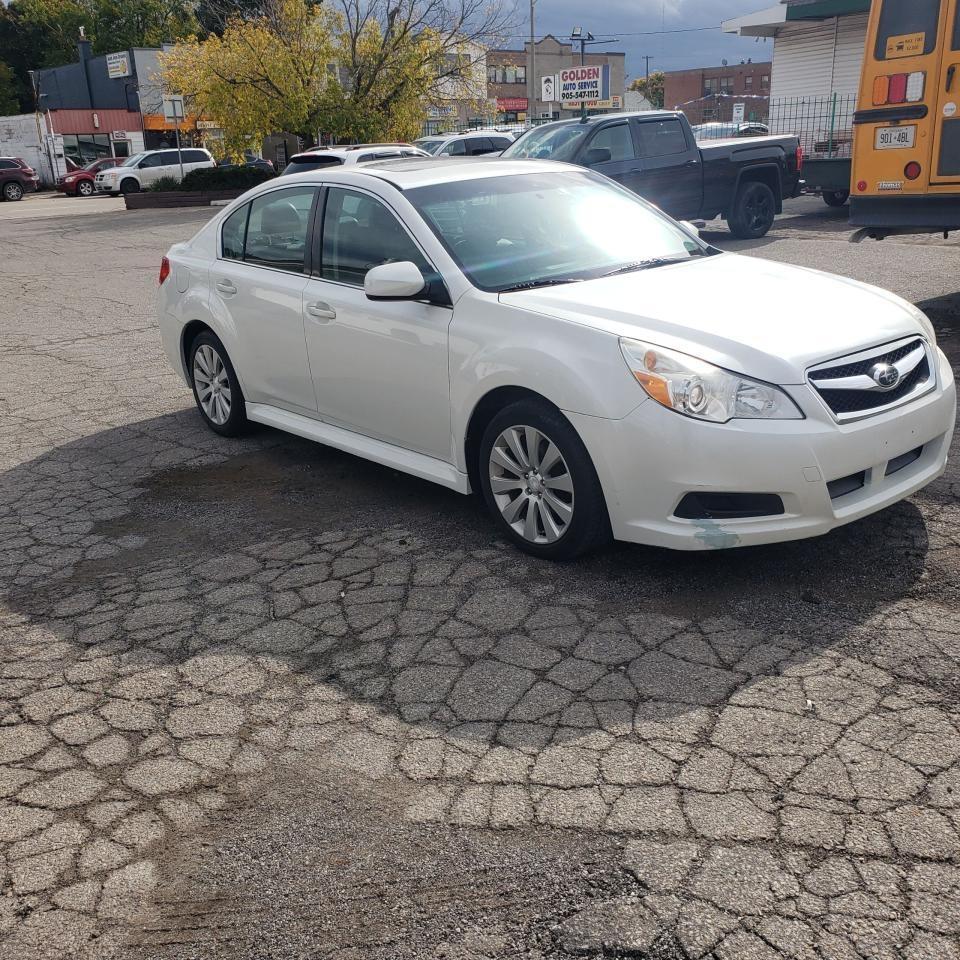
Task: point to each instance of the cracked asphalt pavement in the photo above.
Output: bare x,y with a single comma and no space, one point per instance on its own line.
262,699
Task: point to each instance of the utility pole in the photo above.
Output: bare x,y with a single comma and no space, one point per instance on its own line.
532,99
648,59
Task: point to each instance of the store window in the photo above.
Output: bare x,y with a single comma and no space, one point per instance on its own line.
84,148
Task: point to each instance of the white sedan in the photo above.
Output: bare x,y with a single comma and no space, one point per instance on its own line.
535,332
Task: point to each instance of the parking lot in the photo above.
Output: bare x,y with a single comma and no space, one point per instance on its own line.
260,698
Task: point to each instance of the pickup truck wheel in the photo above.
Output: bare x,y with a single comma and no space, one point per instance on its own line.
12,191
753,211
835,198
130,186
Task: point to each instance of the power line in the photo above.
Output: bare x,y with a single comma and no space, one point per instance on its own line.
618,35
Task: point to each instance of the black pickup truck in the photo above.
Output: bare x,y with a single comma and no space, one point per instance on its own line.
656,155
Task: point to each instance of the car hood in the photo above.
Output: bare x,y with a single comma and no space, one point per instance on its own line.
763,319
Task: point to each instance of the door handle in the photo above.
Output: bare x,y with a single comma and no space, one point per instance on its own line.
227,287
951,70
321,311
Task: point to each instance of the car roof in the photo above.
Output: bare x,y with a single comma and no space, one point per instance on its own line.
410,173
465,134
623,115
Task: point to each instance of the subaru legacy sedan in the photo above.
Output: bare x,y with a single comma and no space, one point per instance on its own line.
534,332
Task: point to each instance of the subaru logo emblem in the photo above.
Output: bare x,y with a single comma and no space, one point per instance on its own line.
885,375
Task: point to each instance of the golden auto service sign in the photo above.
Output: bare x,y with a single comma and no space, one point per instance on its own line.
584,83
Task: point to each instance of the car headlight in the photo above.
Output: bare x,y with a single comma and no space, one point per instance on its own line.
924,322
699,389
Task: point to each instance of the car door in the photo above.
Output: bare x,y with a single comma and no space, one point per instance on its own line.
257,286
671,171
149,168
379,368
611,151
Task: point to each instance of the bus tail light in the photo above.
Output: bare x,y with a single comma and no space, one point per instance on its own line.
899,88
912,170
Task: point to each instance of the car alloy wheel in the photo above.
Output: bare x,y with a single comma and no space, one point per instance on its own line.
531,484
12,191
213,384
85,188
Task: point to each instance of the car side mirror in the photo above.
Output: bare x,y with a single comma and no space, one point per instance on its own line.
691,227
394,281
597,155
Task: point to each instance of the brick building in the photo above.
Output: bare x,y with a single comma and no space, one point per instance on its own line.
709,93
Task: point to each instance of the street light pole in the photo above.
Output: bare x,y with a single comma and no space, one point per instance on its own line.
532,99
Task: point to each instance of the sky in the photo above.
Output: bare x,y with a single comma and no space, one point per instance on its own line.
670,51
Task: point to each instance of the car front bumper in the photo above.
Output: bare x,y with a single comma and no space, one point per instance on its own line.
651,459
102,187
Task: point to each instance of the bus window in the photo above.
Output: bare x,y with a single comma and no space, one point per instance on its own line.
908,28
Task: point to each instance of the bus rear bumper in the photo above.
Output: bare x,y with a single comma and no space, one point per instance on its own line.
932,213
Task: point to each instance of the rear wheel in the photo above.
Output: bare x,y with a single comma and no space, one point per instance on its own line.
130,185
85,188
835,198
754,209
12,191
539,483
215,386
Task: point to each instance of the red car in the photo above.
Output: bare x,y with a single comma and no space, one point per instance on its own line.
79,183
16,178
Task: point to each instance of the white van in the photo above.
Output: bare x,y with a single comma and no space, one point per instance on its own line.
139,171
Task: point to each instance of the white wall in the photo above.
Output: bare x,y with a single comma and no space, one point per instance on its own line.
819,58
19,138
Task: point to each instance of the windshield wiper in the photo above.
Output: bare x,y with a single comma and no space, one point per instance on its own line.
645,265
544,282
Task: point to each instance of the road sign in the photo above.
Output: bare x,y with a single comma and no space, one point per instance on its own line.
739,110
173,108
579,84
548,89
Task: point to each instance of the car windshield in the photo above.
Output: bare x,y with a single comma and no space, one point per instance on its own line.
540,228
133,161
96,164
431,146
548,143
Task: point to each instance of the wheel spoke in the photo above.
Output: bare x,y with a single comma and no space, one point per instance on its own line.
563,510
505,484
500,457
564,483
533,438
551,529
530,531
512,437
549,460
512,510
200,360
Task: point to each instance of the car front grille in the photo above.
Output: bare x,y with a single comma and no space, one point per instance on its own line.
856,386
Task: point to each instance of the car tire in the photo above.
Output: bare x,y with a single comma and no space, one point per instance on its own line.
753,213
84,188
835,198
562,514
12,190
130,185
215,386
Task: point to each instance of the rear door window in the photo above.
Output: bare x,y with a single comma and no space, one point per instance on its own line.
277,229
661,138
907,28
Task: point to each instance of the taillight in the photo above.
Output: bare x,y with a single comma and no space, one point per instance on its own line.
899,88
164,269
912,170
799,158
862,185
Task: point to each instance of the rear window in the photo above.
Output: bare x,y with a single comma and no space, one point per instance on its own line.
195,156
305,162
907,28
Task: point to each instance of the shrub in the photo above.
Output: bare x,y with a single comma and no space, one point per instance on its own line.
225,178
165,183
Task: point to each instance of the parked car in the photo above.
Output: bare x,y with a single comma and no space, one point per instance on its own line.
17,178
80,183
534,332
477,143
656,155
321,157
258,162
142,169
724,131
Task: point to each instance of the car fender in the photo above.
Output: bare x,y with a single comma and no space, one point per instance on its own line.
575,367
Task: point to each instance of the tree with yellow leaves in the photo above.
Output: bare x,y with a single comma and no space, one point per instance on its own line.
360,70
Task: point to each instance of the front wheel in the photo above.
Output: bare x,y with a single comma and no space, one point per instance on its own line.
85,188
753,212
130,186
539,483
215,386
12,191
835,198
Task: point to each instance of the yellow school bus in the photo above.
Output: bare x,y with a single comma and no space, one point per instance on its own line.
906,150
